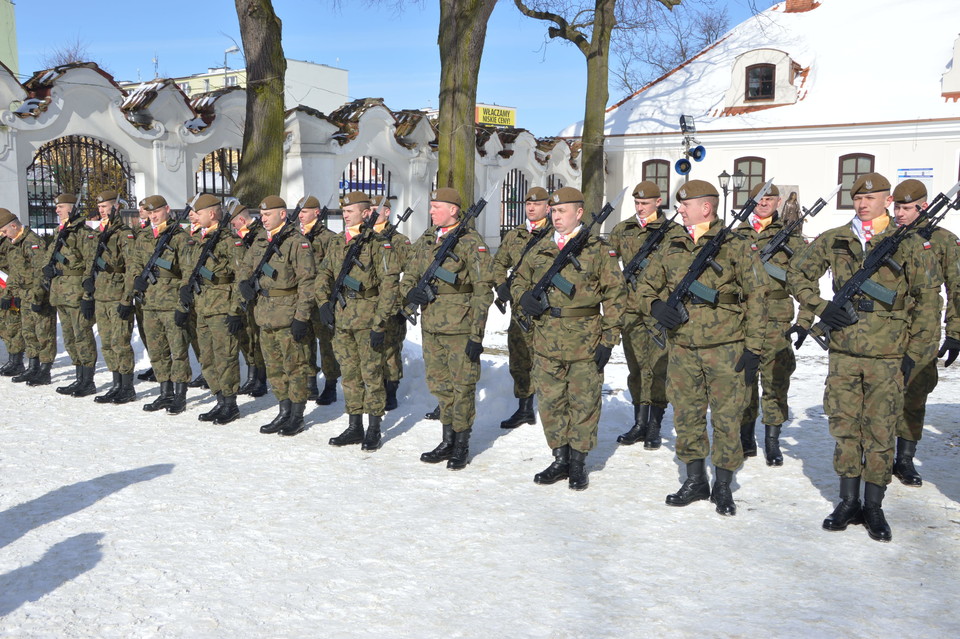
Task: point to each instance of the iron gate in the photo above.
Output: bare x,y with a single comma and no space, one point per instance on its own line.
512,209
218,172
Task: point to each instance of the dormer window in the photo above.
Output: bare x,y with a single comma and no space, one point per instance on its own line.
761,82
761,79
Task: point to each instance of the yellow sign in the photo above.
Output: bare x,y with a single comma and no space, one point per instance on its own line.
496,115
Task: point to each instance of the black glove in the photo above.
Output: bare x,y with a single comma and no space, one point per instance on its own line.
532,306
234,324
88,308
417,297
668,316
298,329
186,296
950,348
140,284
837,317
326,314
40,308
473,350
247,291
49,271
5,304
124,310
749,363
376,339
906,367
799,333
601,356
180,318
89,286
503,292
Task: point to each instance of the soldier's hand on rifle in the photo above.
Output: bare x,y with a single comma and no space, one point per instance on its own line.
376,339
89,286
234,324
5,304
532,306
87,308
49,271
417,297
124,310
950,348
668,316
326,314
749,363
473,350
298,329
837,317
180,318
601,356
799,334
140,284
906,367
40,308
503,292
247,291
186,296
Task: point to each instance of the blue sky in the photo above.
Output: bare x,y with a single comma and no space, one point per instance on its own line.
389,55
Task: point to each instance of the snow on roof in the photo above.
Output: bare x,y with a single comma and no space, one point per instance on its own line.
861,61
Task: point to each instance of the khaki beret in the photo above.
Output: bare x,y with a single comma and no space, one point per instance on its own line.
870,183
646,190
6,217
153,202
237,210
536,194
309,202
566,195
272,202
355,197
910,191
205,201
773,191
446,194
107,196
696,189
66,198
382,200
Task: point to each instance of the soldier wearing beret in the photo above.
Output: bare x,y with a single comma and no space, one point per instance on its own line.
909,199
873,348
453,323
646,362
516,246
10,306
360,308
283,285
573,336
714,354
319,236
248,229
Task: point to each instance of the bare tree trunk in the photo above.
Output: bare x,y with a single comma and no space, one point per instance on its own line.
595,104
261,160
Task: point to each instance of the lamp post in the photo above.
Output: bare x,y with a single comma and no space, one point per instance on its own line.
232,49
739,177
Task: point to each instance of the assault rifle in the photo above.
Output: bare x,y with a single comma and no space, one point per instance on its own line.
881,254
99,264
148,277
779,241
534,238
568,255
425,285
391,230
200,271
642,258
703,260
51,270
251,286
351,259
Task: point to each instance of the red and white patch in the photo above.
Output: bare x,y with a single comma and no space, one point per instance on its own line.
238,243
35,246
926,245
304,244
389,246
753,247
612,253
129,236
482,248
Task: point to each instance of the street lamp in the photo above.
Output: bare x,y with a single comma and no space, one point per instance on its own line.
739,177
232,49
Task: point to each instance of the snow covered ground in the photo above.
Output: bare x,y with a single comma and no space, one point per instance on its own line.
119,523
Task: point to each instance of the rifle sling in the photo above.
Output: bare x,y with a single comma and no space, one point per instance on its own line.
278,292
590,311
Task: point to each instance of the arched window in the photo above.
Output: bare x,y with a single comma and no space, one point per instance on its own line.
658,172
851,167
755,169
760,82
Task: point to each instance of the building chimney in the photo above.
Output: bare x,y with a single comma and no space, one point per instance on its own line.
799,6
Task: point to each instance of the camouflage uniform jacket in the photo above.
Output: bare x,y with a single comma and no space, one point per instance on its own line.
910,325
67,288
27,257
509,253
461,308
218,292
627,238
112,283
165,294
598,283
946,253
399,242
6,246
319,237
740,312
290,294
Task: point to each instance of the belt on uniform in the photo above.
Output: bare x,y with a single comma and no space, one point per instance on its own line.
71,272
867,305
112,271
361,295
449,289
722,298
277,292
167,276
778,295
226,279
590,311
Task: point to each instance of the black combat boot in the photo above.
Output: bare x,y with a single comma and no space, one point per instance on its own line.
229,412
42,376
69,388
434,414
214,412
578,474
721,494
443,450
14,365
848,511
86,386
147,376
107,398
748,439
313,393
278,421
652,441
353,434
259,388
391,389
249,382
873,519
556,471
637,432
694,488
329,393
523,415
461,450
198,382
29,372
295,424
372,438
178,403
771,446
903,468
125,393
164,399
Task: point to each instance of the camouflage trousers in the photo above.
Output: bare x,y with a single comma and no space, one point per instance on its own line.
39,331
568,400
78,339
864,401
192,335
324,336
138,319
362,372
10,330
452,378
219,355
287,364
646,363
115,335
393,348
777,364
922,381
249,338
520,350
699,378
167,346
